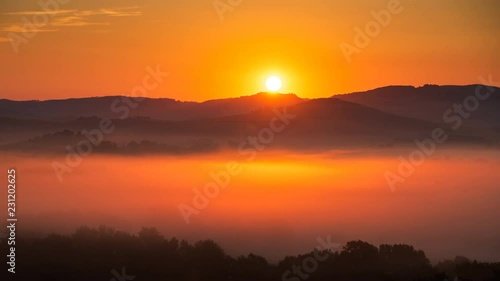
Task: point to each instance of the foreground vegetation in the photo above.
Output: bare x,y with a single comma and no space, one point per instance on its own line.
106,254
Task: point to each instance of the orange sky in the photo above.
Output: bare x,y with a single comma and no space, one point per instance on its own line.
102,47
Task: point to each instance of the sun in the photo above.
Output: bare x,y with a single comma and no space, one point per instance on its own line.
273,84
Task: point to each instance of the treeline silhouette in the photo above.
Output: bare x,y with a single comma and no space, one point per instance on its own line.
57,142
106,254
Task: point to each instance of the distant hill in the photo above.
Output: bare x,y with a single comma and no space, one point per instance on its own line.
430,102
426,103
318,124
161,109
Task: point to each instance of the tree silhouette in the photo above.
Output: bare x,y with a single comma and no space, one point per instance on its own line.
98,253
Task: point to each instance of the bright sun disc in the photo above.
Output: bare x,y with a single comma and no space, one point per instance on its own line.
273,84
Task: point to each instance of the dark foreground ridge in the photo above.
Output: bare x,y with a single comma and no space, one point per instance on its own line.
106,254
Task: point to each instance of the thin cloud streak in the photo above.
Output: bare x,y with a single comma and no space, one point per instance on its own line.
16,28
75,21
119,12
70,18
34,13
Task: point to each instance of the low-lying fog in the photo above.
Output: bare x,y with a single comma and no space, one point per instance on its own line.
276,204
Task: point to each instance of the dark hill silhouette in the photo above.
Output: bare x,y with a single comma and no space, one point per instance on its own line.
319,124
429,102
161,109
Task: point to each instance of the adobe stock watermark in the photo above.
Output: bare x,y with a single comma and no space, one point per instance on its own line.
454,117
310,264
121,106
363,37
221,179
30,28
121,277
223,6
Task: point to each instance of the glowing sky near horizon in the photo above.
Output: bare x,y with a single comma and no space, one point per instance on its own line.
102,47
